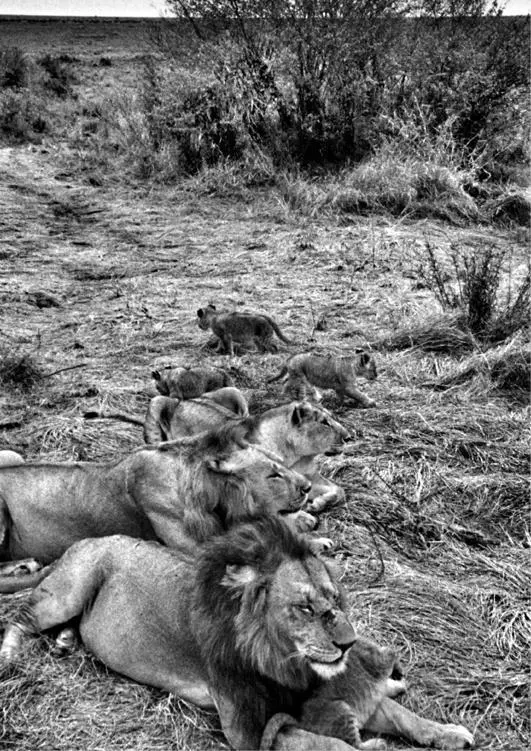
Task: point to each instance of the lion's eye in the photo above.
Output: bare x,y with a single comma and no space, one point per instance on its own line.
306,609
274,473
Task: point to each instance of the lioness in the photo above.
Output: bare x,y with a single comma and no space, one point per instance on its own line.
168,418
187,489
252,624
187,383
297,432
328,372
242,328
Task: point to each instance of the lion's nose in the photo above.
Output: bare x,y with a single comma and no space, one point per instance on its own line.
344,645
343,635
306,487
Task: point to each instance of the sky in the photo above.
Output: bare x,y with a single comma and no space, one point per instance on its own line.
136,7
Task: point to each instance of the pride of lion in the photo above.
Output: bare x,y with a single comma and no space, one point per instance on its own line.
209,529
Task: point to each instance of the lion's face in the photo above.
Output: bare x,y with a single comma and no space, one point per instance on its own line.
205,316
313,430
263,479
365,365
305,614
275,486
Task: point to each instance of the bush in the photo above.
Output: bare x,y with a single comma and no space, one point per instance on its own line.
463,68
19,371
14,69
57,76
472,283
21,116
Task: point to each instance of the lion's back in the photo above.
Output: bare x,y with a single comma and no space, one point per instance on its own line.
243,327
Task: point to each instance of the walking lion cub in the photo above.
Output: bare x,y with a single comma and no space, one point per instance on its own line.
302,372
240,328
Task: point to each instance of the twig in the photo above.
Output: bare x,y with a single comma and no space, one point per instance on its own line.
62,370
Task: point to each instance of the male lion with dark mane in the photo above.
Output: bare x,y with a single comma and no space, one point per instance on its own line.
252,624
188,489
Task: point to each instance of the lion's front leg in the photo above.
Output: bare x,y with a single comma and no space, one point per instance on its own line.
324,494
359,397
392,718
64,594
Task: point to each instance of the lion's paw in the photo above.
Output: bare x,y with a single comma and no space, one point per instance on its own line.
321,544
305,522
453,737
373,744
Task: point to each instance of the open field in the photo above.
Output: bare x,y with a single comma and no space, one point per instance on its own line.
433,542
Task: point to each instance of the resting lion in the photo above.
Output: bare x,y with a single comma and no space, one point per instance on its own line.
298,432
253,625
187,383
304,371
188,489
168,418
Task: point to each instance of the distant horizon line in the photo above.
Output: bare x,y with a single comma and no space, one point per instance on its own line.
159,17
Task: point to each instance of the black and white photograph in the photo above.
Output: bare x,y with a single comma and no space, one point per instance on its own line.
265,356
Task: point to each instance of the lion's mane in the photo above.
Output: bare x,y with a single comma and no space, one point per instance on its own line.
243,653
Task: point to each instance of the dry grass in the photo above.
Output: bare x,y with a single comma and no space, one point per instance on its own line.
438,334
503,368
433,541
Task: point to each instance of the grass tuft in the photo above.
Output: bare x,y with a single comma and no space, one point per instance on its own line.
19,371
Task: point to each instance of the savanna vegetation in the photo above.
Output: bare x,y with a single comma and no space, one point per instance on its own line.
360,172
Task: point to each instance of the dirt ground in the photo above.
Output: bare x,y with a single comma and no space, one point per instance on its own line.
431,543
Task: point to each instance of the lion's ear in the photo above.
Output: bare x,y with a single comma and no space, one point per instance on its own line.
200,313
301,412
238,577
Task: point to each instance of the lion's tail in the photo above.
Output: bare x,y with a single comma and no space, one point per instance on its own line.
277,330
278,375
95,414
11,584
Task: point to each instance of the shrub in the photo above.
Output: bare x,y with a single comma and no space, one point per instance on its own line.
20,371
460,66
21,116
472,283
57,75
14,68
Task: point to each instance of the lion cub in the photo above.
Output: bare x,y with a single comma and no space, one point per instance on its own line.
190,383
240,328
342,706
302,372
